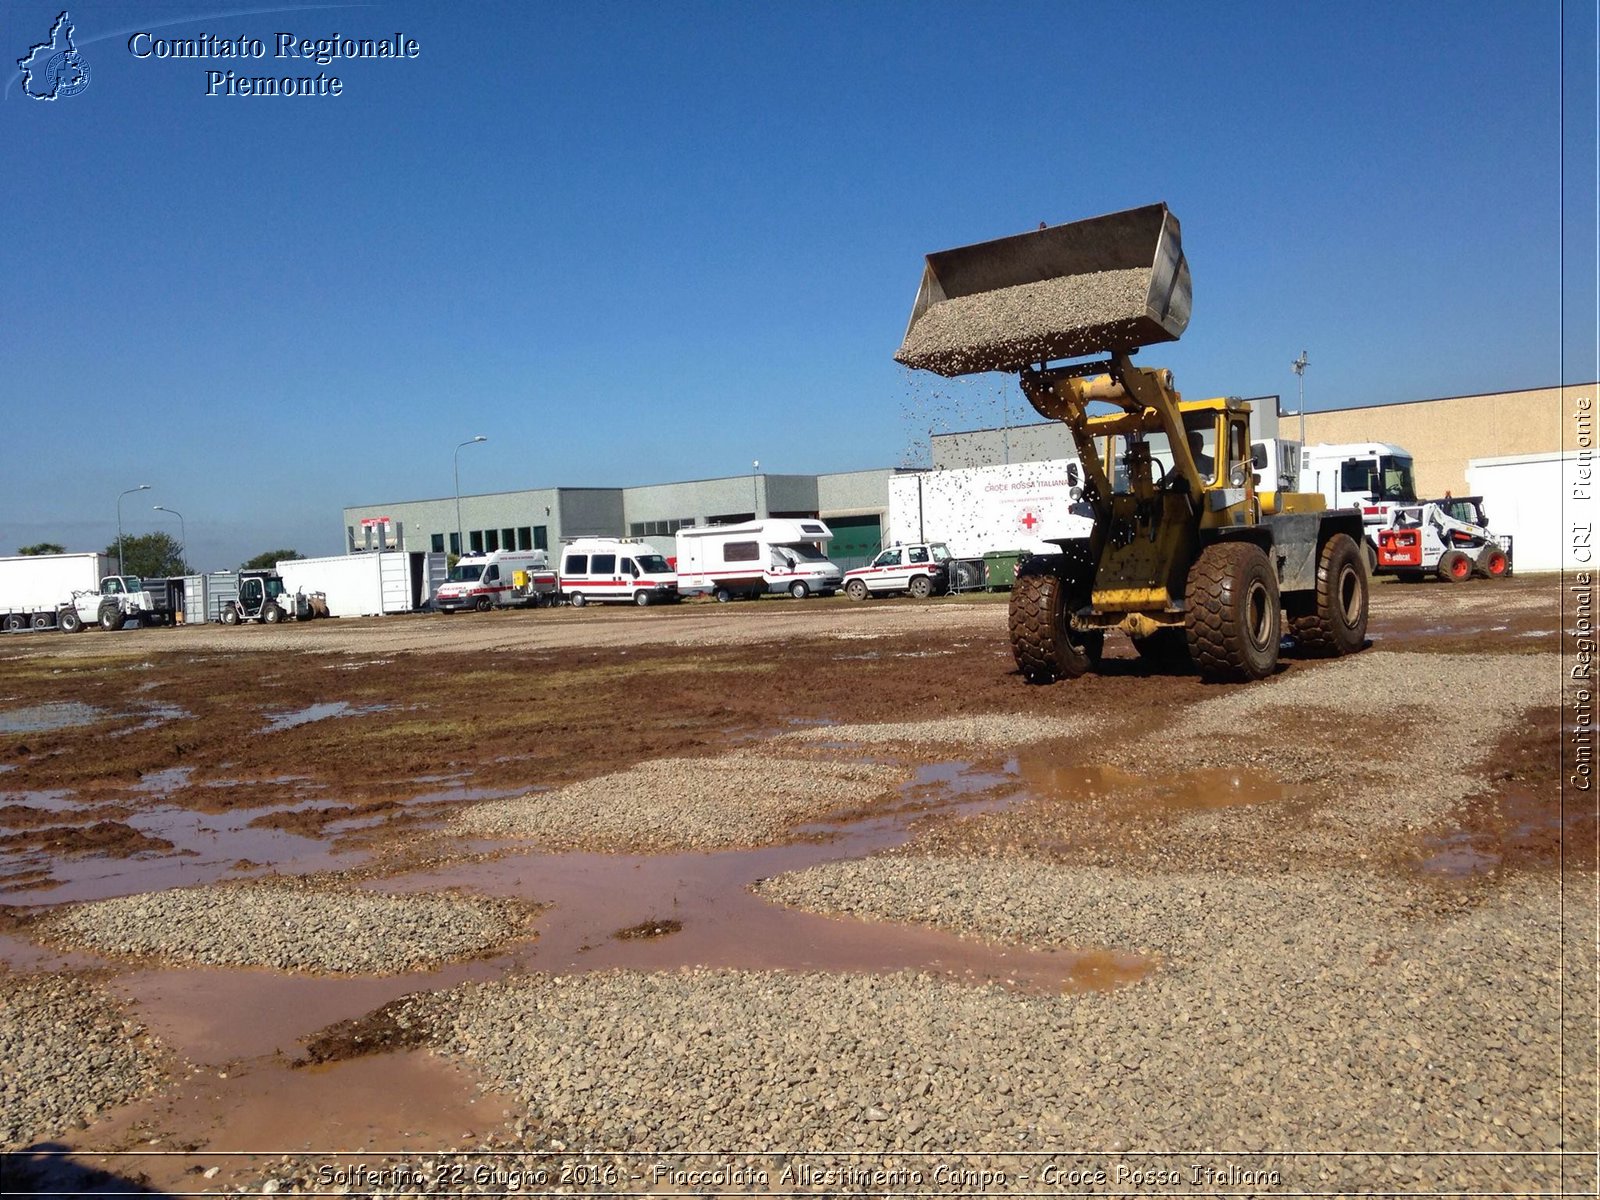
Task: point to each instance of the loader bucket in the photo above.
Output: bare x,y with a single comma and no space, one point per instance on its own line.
1111,283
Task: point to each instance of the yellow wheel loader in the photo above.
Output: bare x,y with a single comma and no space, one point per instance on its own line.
1188,555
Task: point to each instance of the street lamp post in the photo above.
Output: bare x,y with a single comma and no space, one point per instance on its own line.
143,487
1300,364
755,490
183,532
461,541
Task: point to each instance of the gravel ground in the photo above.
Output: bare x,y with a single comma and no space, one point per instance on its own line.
1011,327
69,1054
287,928
985,731
740,799
1292,1012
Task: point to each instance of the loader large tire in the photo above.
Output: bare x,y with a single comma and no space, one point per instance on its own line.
1042,640
1233,618
111,617
70,621
1454,567
1492,563
1332,621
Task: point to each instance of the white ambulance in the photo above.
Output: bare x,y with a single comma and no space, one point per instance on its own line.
753,557
499,579
615,570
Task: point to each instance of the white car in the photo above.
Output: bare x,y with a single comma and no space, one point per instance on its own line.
920,568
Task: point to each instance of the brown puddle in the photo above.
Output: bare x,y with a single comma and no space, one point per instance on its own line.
1203,788
1522,827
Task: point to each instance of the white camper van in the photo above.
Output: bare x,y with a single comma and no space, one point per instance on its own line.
754,557
615,569
499,579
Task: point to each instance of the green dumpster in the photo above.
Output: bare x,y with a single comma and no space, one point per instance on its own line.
1000,569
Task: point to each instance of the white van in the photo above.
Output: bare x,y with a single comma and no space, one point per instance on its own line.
615,569
499,579
748,559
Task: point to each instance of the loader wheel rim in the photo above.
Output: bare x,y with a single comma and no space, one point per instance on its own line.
1460,568
1258,613
1350,597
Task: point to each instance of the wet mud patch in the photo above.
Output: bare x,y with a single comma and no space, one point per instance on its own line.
104,839
397,1025
1521,819
652,928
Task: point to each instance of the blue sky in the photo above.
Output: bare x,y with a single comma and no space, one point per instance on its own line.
633,243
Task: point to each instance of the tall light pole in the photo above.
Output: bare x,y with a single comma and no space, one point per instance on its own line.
143,487
755,490
183,532
461,541
1300,364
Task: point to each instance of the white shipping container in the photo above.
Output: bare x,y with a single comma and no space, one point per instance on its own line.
367,585
1546,502
41,583
1013,506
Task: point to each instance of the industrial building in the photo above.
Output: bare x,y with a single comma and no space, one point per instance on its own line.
1444,435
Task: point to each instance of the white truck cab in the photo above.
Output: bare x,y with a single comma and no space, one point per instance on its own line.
615,570
754,557
920,568
499,579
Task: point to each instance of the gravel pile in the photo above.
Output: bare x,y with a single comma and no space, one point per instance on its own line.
989,731
1010,327
1290,1012
741,799
288,928
68,1053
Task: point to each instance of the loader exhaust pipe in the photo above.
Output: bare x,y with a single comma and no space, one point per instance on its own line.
1107,284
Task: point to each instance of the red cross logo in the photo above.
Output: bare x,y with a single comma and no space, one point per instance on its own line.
1029,521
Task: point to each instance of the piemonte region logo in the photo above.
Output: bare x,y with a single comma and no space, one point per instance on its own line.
54,69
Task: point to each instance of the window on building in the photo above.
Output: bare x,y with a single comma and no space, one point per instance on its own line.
734,552
455,544
491,540
436,543
664,528
508,538
524,537
541,539
475,541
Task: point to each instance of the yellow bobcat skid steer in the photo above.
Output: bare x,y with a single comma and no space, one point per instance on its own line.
1187,556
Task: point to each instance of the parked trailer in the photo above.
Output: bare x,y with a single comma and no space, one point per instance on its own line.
35,587
977,510
755,557
374,583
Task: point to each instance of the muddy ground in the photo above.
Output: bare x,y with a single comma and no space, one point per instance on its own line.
340,752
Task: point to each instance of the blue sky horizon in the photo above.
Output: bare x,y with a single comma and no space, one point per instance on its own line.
636,243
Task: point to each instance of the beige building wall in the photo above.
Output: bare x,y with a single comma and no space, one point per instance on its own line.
1443,434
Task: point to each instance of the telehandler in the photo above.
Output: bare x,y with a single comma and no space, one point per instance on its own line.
1188,556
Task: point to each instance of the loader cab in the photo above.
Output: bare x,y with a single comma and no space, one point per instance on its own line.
255,591
1206,426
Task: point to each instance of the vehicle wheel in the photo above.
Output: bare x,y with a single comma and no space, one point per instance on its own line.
577,599
1165,649
1454,566
1332,621
920,586
1492,563
70,621
856,589
230,615
272,614
642,599
1369,555
15,622
1042,640
110,617
799,590
1233,619
483,604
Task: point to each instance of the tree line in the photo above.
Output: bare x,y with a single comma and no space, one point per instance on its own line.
158,555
